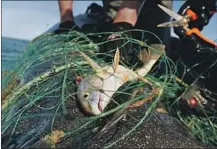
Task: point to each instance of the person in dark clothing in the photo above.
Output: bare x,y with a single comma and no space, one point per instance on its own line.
146,15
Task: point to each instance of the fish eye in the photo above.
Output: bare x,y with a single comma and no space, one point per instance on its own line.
86,95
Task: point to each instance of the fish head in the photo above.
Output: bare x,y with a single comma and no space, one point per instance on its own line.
90,94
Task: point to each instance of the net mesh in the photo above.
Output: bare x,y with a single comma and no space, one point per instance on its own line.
39,93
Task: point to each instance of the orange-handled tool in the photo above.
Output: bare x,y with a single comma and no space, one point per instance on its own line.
184,22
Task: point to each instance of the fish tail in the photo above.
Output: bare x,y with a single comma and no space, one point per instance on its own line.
153,52
149,57
156,50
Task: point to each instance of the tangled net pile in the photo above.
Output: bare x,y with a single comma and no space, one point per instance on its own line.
41,88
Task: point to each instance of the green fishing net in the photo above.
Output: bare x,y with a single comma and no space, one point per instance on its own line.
39,93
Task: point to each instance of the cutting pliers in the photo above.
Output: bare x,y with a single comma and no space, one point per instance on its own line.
183,21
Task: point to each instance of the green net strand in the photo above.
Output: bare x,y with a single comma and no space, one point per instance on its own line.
43,87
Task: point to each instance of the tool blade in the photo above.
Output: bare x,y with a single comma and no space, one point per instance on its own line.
170,24
171,13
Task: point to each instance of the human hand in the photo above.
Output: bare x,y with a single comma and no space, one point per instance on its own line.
66,27
127,52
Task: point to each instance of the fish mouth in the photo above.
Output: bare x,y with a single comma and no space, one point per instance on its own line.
99,104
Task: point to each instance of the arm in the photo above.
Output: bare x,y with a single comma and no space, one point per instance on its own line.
128,12
125,19
66,17
66,13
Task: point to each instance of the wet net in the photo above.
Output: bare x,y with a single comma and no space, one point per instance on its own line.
39,95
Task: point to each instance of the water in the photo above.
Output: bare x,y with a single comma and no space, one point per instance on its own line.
11,49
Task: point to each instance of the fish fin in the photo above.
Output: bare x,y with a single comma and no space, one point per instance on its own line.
149,57
116,60
91,62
